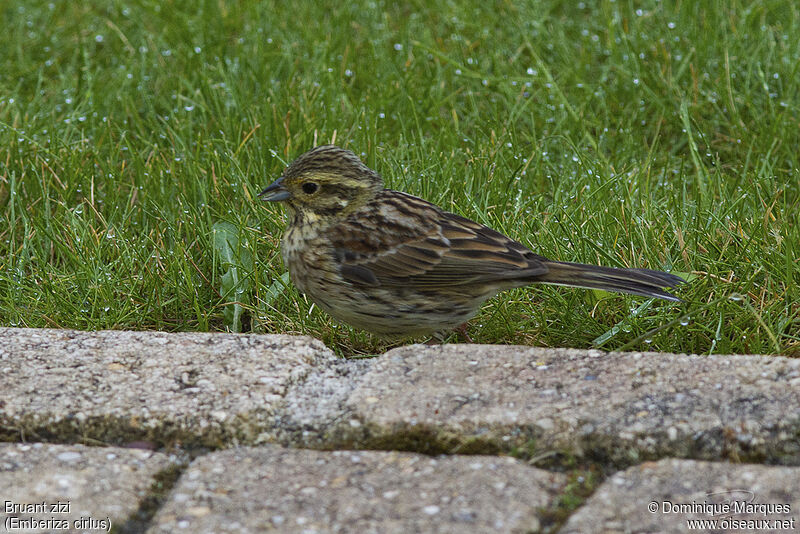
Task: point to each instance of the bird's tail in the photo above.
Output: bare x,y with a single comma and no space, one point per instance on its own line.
644,282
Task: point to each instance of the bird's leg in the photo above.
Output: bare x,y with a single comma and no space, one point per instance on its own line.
462,329
438,337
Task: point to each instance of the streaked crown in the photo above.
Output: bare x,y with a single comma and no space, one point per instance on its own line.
331,159
327,180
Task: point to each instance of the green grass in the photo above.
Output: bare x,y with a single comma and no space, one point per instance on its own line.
646,134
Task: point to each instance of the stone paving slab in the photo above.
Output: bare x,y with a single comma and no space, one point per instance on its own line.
613,408
116,387
73,488
220,390
666,496
271,489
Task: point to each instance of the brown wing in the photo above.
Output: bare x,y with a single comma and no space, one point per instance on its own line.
403,239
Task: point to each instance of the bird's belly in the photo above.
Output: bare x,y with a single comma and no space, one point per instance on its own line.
402,310
393,311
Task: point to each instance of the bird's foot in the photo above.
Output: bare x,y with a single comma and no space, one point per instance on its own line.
438,338
462,329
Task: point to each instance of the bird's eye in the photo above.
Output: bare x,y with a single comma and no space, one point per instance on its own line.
310,188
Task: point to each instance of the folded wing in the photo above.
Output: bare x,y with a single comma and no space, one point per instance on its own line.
404,237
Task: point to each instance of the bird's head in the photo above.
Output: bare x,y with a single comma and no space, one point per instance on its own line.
326,181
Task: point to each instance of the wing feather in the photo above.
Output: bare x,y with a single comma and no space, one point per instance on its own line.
401,237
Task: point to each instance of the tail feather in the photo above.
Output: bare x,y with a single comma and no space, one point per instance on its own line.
644,282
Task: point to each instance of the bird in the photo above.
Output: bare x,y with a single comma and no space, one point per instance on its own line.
396,265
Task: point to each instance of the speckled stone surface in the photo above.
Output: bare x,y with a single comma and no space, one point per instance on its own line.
202,392
82,488
619,408
674,495
115,387
269,489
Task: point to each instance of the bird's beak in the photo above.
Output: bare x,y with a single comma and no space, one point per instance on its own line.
275,192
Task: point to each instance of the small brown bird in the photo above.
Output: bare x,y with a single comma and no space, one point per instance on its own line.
396,265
